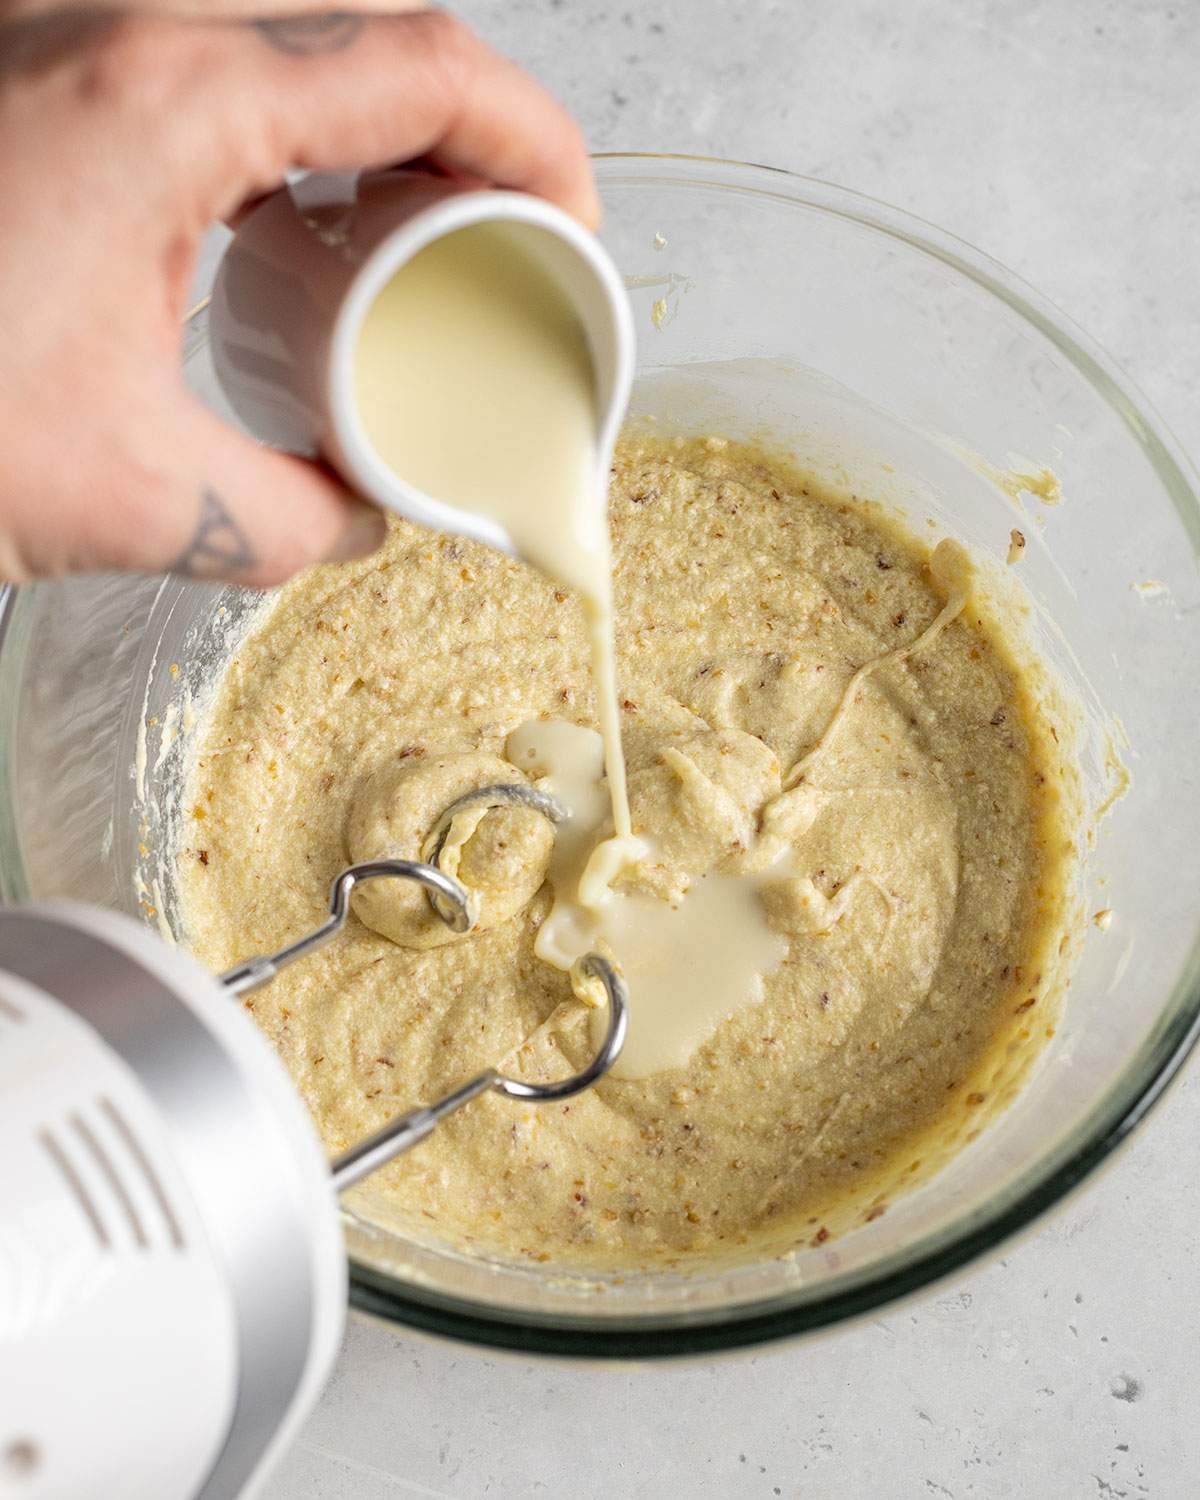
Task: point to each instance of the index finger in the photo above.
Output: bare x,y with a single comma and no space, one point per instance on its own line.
342,91
212,10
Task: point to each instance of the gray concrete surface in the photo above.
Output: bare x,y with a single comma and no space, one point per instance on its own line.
1064,138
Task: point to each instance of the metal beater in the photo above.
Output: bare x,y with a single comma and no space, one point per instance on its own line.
454,905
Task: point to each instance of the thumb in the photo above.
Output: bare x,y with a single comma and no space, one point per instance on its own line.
250,515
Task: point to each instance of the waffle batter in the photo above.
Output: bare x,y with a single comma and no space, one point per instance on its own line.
915,891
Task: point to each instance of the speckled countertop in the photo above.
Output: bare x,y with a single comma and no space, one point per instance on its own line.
1064,138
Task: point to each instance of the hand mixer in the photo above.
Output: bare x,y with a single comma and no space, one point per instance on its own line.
174,1279
172,1271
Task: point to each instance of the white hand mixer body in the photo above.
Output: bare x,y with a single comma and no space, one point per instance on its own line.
172,1273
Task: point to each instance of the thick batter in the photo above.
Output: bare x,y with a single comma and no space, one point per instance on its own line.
916,911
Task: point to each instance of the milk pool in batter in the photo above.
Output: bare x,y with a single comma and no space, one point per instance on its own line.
903,827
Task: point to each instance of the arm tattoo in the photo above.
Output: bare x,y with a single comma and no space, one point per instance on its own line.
218,546
306,36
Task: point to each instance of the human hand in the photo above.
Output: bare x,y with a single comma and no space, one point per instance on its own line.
122,138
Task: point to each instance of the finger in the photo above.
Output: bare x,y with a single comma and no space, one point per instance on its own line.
219,10
214,10
236,511
367,91
237,216
425,164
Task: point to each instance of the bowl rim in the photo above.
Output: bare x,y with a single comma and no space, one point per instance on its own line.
1112,1117
664,1335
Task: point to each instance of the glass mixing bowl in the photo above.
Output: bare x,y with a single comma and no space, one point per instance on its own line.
902,363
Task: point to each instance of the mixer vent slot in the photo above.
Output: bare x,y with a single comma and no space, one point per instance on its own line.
73,1180
146,1167
112,1178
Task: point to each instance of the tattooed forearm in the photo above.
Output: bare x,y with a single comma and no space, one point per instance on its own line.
305,36
218,546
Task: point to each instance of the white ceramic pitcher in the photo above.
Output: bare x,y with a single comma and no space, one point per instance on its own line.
303,271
